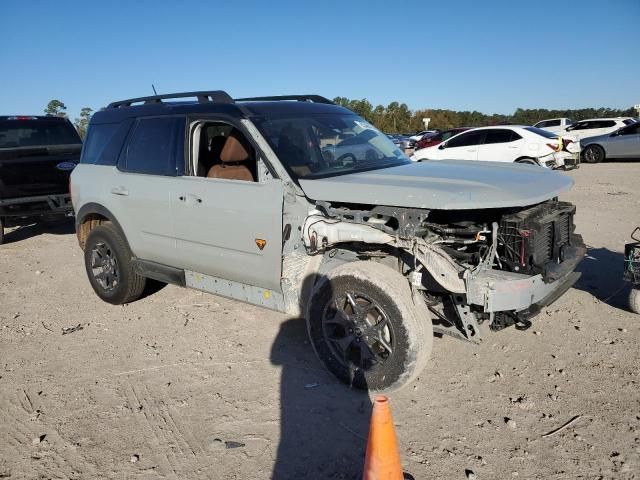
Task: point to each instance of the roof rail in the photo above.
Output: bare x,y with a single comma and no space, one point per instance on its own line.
299,98
216,96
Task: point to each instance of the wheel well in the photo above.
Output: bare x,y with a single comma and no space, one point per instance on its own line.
88,223
520,159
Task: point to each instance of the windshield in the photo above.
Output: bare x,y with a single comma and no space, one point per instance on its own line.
323,145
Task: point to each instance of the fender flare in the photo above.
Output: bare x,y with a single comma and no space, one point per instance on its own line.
96,208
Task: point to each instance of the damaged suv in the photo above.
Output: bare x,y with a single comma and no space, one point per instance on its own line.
298,205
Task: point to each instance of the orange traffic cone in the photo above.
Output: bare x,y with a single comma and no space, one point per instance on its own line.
382,461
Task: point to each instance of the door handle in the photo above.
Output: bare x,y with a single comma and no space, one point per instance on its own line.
190,197
120,191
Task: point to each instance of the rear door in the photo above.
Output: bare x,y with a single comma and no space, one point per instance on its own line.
500,145
461,147
141,188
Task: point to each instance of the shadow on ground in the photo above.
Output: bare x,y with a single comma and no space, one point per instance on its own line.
65,226
602,277
324,424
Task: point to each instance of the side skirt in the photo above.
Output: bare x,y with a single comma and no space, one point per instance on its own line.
157,271
235,290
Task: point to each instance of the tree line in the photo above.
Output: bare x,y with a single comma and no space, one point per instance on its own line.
398,118
58,109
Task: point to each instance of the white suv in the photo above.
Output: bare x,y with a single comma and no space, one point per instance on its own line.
594,126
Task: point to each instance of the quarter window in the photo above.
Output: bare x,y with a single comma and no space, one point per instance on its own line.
152,148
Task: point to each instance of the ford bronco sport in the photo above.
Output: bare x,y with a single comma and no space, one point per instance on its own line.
299,205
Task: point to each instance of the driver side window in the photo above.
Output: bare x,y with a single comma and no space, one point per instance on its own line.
220,150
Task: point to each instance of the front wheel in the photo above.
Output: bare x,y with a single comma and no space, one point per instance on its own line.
108,263
634,299
366,329
593,154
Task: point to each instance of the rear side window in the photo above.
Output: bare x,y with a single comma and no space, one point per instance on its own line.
466,139
35,133
97,140
153,146
501,135
606,124
542,133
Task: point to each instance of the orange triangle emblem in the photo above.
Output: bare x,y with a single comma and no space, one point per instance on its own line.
260,243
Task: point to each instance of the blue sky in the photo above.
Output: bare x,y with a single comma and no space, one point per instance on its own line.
491,56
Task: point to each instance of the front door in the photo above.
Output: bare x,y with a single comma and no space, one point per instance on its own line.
230,229
461,147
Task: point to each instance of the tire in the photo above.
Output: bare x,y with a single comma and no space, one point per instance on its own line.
107,260
634,300
341,339
593,154
1,230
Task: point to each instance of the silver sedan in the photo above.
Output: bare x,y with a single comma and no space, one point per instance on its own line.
623,143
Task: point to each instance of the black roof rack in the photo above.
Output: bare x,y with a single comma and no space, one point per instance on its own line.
299,98
216,96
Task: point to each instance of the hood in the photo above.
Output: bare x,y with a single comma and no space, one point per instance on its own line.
443,185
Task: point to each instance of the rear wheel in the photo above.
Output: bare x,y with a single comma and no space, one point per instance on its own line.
634,300
109,268
366,329
593,154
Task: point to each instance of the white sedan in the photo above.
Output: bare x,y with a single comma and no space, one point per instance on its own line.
508,143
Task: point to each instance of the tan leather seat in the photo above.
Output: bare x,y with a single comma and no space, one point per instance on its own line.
232,156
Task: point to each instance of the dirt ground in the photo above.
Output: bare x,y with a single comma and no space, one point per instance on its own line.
188,385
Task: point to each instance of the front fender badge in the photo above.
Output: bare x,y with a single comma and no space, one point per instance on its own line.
260,243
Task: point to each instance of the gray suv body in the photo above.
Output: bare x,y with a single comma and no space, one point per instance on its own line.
298,205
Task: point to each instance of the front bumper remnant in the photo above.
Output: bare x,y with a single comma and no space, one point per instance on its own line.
501,291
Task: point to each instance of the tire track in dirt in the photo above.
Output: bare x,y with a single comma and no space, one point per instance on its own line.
178,454
25,435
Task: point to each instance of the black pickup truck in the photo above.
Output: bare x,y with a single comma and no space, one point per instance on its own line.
37,155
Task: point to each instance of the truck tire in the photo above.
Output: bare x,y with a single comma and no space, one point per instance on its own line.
593,154
366,329
1,230
634,299
107,259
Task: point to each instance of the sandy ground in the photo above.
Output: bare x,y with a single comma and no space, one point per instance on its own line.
161,388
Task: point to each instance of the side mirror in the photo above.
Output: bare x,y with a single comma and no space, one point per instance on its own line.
442,146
